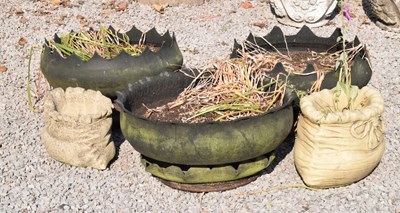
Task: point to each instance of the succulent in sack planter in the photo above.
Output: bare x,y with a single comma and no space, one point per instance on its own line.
339,133
223,142
106,60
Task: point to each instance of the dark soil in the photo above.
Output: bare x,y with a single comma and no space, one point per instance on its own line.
160,111
300,59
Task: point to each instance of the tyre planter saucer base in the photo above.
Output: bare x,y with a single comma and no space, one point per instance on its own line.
207,178
210,187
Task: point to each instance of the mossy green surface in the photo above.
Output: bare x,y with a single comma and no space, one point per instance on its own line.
205,174
209,143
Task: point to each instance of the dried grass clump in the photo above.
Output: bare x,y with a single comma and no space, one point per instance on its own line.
295,62
229,90
104,41
240,87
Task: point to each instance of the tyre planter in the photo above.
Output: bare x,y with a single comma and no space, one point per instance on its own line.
197,144
111,75
78,127
335,148
306,40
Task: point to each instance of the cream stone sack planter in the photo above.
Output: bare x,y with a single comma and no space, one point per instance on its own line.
78,127
338,147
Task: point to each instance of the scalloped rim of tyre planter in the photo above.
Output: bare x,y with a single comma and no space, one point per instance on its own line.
361,71
208,143
207,174
111,75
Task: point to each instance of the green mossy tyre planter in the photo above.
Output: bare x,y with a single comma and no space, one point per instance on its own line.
207,174
306,40
209,143
111,75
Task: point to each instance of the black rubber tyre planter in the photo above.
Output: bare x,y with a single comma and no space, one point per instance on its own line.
207,174
111,75
305,40
210,143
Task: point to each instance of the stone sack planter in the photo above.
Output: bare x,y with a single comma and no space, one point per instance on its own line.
335,148
306,40
196,152
78,127
110,75
299,12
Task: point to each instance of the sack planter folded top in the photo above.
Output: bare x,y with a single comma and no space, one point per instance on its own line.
78,127
336,146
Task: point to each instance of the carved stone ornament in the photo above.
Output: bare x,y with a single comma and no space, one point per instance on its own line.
385,13
297,13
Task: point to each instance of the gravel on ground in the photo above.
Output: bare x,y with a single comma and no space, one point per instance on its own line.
30,181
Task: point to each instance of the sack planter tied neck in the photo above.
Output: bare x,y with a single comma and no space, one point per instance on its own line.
338,147
78,127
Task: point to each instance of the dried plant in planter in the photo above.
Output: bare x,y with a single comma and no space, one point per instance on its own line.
308,59
296,62
107,60
105,41
228,90
241,87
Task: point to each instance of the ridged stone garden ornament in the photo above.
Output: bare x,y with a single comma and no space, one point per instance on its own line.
386,13
78,127
297,13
